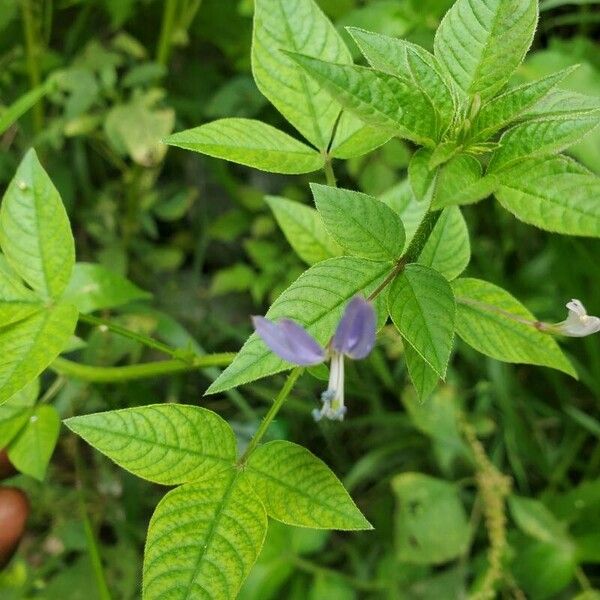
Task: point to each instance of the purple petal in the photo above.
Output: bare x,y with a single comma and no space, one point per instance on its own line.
355,334
289,341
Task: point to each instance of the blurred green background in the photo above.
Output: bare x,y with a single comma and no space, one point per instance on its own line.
197,234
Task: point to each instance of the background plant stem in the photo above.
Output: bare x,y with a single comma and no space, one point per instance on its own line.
33,54
90,538
132,335
163,49
140,371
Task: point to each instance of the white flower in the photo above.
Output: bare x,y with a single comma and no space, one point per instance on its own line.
578,323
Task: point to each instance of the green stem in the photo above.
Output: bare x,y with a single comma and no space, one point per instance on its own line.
421,236
33,56
412,253
132,335
272,412
92,545
398,268
166,32
95,374
51,392
329,173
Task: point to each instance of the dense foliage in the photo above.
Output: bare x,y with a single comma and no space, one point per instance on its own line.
399,186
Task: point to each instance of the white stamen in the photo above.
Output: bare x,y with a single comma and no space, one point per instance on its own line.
333,398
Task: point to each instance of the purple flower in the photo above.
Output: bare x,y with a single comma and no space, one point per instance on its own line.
354,337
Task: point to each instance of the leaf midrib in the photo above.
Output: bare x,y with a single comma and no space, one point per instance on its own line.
159,444
210,534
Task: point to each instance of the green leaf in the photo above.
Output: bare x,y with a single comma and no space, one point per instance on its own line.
35,234
431,525
542,570
378,98
238,277
503,109
496,324
421,176
440,419
29,346
539,138
361,224
353,138
94,287
422,307
588,548
299,489
442,153
164,443
16,301
448,249
401,199
21,105
275,563
136,129
304,230
252,143
564,104
299,26
31,450
203,539
588,594
422,376
536,520
480,43
460,181
315,300
555,194
15,412
409,61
